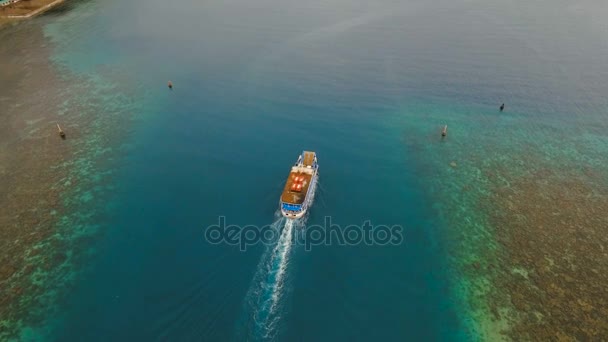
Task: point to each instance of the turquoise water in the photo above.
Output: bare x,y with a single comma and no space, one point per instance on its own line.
365,85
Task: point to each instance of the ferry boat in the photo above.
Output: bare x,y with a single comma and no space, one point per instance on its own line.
299,189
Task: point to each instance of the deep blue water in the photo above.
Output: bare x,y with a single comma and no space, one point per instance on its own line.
257,82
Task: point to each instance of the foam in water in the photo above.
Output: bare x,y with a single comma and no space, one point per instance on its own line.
263,300
263,304
281,260
272,285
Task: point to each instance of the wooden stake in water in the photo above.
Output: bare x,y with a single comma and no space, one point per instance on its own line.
61,133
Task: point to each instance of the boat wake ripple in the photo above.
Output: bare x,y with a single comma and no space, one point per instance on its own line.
264,306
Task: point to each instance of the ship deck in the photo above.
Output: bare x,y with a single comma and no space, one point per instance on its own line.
309,158
296,197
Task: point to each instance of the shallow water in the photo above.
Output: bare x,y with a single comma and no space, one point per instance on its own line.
368,87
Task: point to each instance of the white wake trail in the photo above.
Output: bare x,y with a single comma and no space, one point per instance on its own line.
264,306
282,256
263,300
